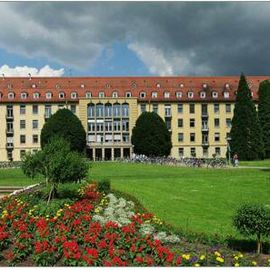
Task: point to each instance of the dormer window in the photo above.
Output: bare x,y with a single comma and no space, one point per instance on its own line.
74,95
227,85
133,84
107,85
226,94
181,85
88,94
48,95
142,95
115,94
61,95
214,94
101,94
9,86
34,85
24,95
202,95
11,95
190,94
205,85
128,94
179,94
166,94
36,95
154,94
158,85
82,85
57,86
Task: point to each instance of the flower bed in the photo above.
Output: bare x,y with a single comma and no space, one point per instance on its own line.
97,230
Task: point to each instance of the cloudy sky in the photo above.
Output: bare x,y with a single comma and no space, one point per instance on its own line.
125,38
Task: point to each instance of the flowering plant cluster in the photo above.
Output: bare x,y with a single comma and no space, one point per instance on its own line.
71,237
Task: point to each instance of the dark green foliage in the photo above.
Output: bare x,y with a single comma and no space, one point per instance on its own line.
104,186
253,220
67,125
30,165
246,131
264,114
150,136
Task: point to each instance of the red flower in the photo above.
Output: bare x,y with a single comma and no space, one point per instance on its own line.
179,260
139,259
92,252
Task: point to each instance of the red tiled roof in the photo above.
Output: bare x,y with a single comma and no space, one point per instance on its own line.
135,85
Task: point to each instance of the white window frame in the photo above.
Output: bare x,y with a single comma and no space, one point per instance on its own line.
142,95
154,94
24,95
34,85
179,94
11,95
88,94
101,94
166,94
226,94
190,94
36,95
202,94
48,95
61,95
74,95
214,94
128,94
115,94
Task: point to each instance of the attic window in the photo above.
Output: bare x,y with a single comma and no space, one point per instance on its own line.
88,94
142,95
190,94
205,85
181,85
61,95
11,95
166,94
226,94
179,94
158,85
48,95
107,85
57,85
73,95
133,85
214,94
36,95
101,95
227,85
9,86
24,95
82,85
128,94
202,94
154,94
34,85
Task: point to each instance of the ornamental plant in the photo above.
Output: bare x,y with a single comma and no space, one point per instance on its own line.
253,220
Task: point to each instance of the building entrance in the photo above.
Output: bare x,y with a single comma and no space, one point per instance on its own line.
108,154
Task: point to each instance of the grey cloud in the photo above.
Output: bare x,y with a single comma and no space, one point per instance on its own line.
191,38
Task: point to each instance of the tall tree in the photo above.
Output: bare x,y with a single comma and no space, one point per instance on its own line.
67,125
150,136
246,131
264,114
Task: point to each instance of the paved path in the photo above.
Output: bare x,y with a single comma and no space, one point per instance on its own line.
253,167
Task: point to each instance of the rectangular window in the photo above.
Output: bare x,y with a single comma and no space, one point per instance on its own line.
216,108
205,152
35,109
181,152
35,138
228,108
217,151
180,137
22,139
180,123
143,108
35,124
155,108
22,124
228,122
192,137
191,108
216,120
217,137
180,108
168,123
73,108
48,111
192,122
168,112
22,109
22,153
193,151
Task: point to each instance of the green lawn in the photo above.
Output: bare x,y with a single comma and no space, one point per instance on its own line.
202,200
260,163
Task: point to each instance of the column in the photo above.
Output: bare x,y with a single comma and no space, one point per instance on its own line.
94,154
103,153
112,154
122,153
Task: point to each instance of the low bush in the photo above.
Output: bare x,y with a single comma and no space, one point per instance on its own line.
104,186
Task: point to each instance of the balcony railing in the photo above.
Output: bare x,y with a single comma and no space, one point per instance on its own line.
9,116
9,131
205,114
47,115
205,128
9,145
205,143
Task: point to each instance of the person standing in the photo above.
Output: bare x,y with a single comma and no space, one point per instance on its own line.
235,160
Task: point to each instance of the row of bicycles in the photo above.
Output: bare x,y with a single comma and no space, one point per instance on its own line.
186,162
9,164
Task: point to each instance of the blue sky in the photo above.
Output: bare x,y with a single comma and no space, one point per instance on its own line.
134,38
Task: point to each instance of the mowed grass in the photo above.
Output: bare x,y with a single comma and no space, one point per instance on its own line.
196,199
256,163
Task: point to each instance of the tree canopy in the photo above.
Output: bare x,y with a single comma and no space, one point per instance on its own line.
264,114
67,125
246,136
150,136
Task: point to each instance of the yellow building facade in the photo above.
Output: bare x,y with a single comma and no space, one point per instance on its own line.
198,116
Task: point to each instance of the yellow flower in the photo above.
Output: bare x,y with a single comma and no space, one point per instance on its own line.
186,256
236,257
197,264
217,254
202,257
240,255
236,264
220,259
254,263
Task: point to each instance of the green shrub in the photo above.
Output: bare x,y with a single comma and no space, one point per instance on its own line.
68,190
253,220
104,186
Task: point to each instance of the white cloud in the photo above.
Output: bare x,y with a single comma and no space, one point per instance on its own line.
23,71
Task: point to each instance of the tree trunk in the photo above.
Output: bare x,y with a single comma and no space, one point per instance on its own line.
259,244
53,193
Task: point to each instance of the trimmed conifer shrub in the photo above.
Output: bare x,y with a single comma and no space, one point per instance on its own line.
246,134
264,114
150,136
67,125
